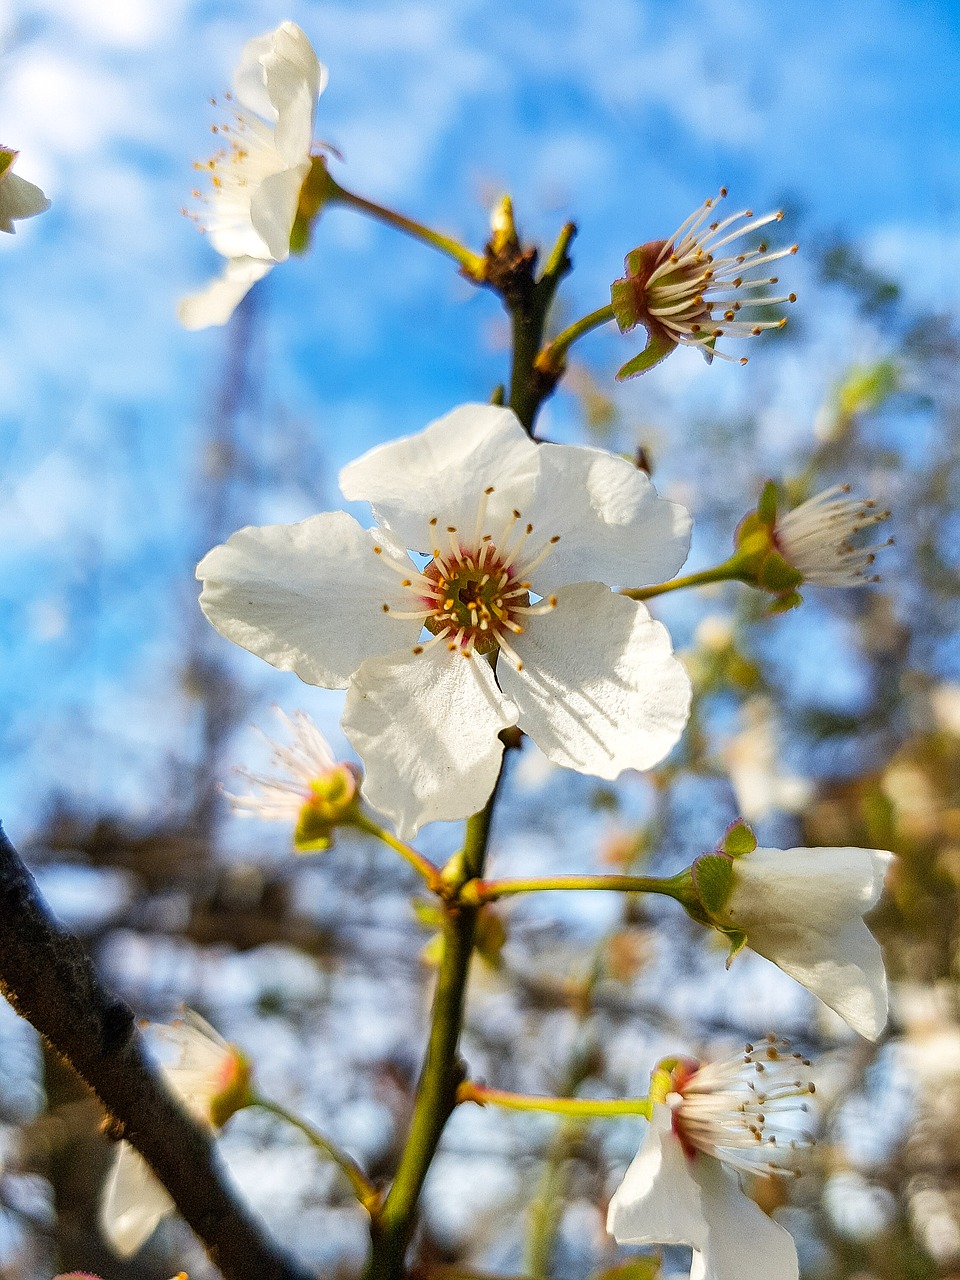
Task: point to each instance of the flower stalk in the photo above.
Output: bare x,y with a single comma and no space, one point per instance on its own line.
470,263
363,1188
479,891
591,1108
420,863
552,357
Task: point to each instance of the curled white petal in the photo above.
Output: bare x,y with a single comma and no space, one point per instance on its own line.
216,303
133,1204
658,1201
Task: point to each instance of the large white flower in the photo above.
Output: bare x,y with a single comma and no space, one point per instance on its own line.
257,176
741,1114
18,198
517,540
803,909
211,1078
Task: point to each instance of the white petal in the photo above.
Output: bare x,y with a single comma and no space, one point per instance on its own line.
426,728
19,199
443,470
217,302
273,208
133,1202
279,72
742,1242
612,525
306,597
658,1201
802,909
600,690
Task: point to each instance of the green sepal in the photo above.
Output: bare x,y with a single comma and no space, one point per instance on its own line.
623,300
738,940
767,506
713,881
657,349
7,157
313,832
784,603
236,1093
317,190
645,1266
777,575
737,840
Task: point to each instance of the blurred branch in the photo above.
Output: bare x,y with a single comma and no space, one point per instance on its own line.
49,979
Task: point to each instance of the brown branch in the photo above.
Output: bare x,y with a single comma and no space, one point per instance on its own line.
49,979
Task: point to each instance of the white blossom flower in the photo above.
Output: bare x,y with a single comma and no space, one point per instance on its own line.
257,176
707,1123
814,538
211,1078
517,541
18,198
684,291
311,790
803,909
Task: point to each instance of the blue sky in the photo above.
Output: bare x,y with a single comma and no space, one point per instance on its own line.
621,115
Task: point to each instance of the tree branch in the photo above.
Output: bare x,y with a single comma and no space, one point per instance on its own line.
49,979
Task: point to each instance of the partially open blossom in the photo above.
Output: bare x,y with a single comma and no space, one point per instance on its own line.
18,198
803,909
707,1122
311,790
517,540
257,176
810,544
685,291
212,1079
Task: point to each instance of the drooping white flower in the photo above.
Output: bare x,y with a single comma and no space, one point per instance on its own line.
212,1080
684,291
258,174
311,790
708,1122
18,198
803,909
815,538
518,539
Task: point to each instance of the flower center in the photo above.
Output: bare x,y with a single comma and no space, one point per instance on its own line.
476,593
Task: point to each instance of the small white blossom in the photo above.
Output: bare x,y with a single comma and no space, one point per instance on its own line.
18,198
258,174
803,909
211,1079
517,540
714,1120
310,790
814,538
695,287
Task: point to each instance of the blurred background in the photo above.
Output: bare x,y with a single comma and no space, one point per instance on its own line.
129,447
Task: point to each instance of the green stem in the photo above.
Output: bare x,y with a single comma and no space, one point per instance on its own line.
588,1107
442,1071
363,1188
528,303
421,864
553,356
472,263
478,891
730,571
